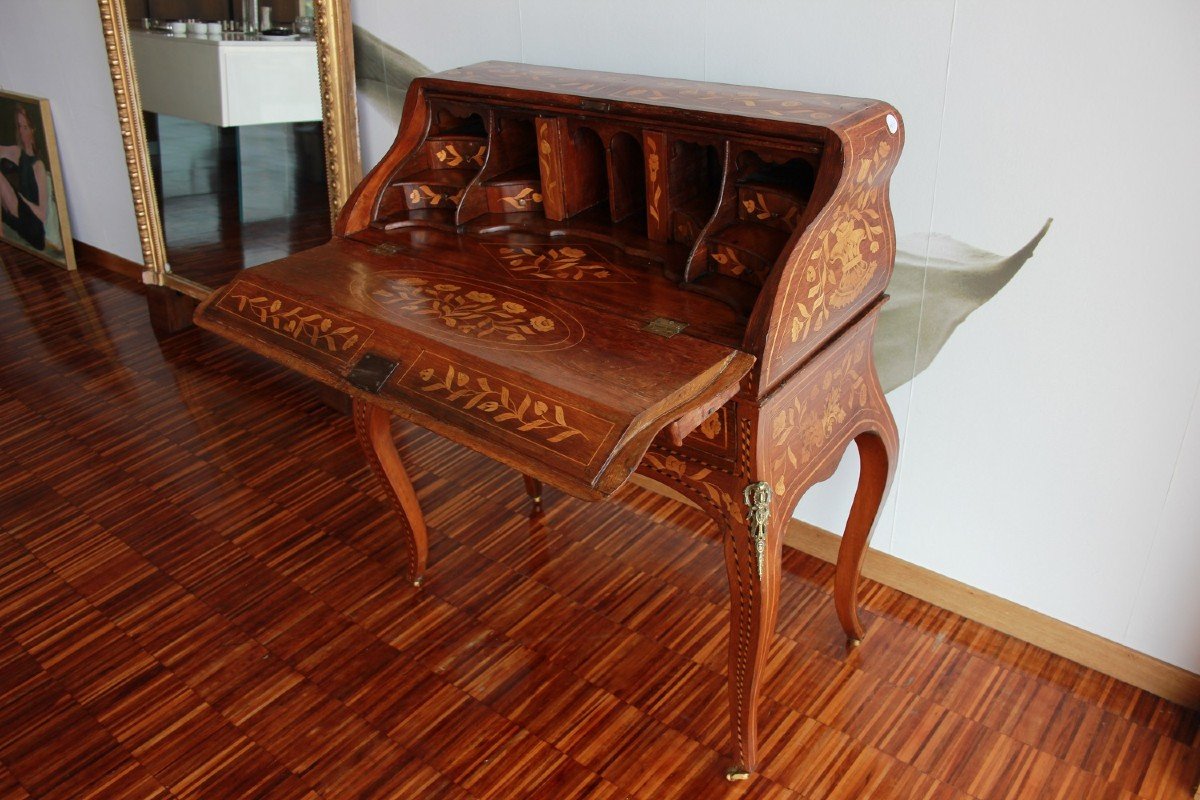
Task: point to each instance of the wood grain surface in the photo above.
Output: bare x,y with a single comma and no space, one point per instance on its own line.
604,363
204,594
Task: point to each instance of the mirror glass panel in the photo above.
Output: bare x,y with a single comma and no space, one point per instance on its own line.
231,104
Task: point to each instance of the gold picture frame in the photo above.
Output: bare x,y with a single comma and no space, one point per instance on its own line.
48,238
343,159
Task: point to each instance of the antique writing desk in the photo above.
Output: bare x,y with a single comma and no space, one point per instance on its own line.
583,275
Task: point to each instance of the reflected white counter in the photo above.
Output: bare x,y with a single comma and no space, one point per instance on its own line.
225,82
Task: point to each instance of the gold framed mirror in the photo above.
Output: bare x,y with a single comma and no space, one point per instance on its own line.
339,118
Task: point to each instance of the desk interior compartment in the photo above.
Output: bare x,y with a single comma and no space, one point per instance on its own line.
429,185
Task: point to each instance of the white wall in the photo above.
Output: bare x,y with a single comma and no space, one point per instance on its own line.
1048,455
55,49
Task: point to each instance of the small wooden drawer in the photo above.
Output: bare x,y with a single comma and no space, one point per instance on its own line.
509,198
456,152
769,205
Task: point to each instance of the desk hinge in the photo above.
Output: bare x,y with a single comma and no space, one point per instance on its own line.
371,373
664,327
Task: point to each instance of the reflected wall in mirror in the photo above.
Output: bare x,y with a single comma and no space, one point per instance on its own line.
241,143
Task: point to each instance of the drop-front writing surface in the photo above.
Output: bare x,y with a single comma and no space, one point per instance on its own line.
583,274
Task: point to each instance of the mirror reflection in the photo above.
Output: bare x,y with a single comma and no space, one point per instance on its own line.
232,108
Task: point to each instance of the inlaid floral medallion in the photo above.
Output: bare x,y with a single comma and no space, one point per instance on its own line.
555,262
454,308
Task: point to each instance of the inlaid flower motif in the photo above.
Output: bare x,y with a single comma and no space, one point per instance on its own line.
711,426
800,429
838,271
550,262
473,312
848,237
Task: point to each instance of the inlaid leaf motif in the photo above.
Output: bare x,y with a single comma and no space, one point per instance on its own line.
523,199
449,156
696,477
313,328
530,414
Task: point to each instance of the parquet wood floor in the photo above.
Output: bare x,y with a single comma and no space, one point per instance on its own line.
202,596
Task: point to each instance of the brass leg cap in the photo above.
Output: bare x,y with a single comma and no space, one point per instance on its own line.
737,774
418,581
853,643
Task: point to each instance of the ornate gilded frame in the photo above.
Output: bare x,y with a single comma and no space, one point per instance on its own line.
343,160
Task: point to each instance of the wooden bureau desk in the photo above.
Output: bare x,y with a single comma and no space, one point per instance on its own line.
583,275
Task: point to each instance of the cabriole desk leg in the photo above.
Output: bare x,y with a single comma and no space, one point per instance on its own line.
877,464
752,562
374,429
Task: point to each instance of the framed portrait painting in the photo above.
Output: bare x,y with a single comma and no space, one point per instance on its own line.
33,207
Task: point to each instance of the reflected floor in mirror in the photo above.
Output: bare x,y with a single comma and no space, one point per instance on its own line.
232,198
203,595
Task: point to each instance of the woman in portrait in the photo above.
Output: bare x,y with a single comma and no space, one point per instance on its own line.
24,206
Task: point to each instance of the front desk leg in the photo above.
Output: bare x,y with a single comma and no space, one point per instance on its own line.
374,428
753,550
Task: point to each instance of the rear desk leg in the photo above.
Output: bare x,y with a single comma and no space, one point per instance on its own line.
374,429
877,463
533,488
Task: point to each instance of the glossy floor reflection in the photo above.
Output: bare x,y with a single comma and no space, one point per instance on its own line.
202,596
233,198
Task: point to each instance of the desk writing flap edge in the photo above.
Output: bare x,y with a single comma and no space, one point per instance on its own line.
568,432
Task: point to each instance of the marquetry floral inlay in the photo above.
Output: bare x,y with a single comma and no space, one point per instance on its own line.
711,427
298,322
730,262
522,200
747,100
685,228
849,253
554,262
423,196
528,414
802,428
653,164
449,156
699,478
470,312
759,208
546,162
